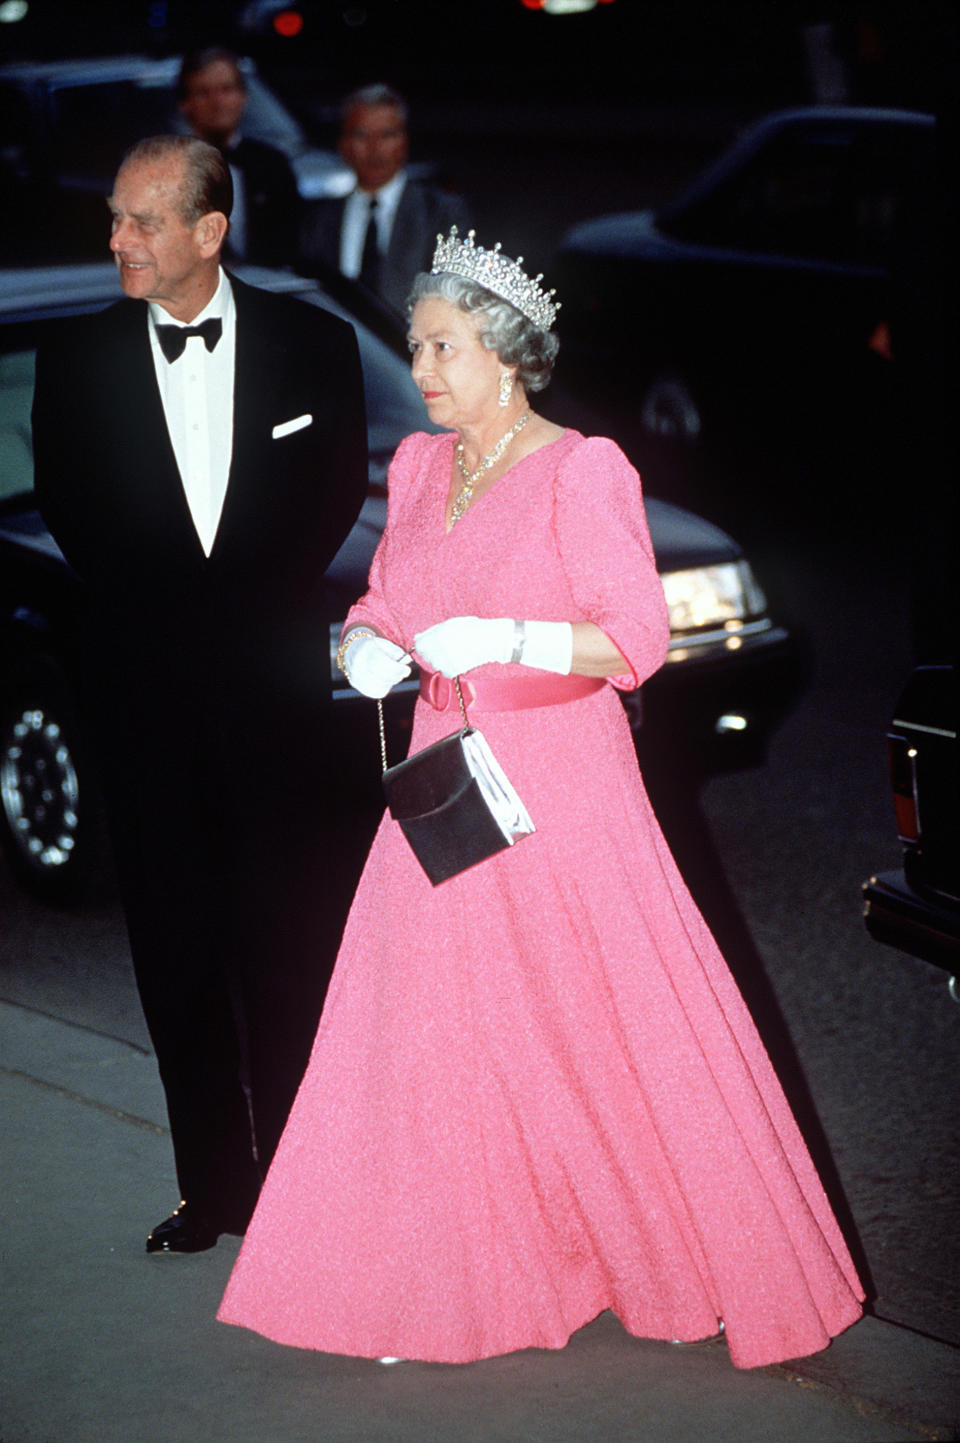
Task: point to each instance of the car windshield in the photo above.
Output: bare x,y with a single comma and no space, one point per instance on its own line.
834,195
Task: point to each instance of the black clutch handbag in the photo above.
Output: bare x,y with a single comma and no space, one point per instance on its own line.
453,802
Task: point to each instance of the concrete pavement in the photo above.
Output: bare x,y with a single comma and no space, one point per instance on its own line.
105,1343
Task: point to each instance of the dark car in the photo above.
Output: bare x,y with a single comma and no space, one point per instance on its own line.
66,123
729,675
758,306
917,908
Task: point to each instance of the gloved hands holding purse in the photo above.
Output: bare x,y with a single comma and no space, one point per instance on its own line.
372,664
461,643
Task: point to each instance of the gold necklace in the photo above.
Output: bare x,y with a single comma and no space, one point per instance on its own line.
470,478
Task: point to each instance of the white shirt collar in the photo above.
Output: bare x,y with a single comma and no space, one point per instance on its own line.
220,304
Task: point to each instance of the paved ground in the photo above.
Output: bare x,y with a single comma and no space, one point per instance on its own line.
106,1345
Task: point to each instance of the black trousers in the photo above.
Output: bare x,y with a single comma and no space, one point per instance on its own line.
235,880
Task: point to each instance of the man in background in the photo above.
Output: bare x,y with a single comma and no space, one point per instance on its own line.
212,95
385,230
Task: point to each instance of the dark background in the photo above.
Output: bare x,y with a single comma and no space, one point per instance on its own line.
629,100
541,120
648,51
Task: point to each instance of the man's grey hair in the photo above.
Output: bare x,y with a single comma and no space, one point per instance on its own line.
383,95
207,184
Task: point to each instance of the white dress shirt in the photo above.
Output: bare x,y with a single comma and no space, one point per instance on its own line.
197,394
356,213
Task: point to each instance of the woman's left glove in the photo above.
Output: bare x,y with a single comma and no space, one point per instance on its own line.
463,642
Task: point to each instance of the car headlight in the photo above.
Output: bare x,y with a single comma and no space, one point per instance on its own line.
712,596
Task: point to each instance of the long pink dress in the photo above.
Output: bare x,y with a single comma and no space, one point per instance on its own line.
535,1092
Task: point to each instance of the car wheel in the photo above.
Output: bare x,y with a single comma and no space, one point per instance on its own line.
669,412
51,818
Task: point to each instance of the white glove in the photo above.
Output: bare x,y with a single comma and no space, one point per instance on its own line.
547,645
458,645
373,665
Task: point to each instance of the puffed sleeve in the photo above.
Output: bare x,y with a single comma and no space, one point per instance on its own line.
373,608
606,552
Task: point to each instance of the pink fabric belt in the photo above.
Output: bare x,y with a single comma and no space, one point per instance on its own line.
508,694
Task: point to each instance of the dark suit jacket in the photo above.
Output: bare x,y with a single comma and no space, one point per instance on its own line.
424,212
109,489
272,201
177,640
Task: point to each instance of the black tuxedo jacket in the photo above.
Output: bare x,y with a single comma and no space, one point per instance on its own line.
109,489
211,663
424,212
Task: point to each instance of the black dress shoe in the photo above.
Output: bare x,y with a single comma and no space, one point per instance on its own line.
187,1230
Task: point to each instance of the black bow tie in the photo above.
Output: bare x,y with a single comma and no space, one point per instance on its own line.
173,339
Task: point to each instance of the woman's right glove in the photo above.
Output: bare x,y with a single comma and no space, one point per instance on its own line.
373,665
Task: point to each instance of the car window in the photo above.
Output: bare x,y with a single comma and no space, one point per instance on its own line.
16,445
833,195
94,124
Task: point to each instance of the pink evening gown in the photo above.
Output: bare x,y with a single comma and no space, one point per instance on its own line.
535,1091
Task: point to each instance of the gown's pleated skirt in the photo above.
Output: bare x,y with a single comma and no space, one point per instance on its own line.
536,1094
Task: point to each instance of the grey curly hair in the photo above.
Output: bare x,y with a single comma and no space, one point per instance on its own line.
517,341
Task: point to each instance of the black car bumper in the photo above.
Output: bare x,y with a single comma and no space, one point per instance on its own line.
894,913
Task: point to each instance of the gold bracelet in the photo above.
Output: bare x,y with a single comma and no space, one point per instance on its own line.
354,634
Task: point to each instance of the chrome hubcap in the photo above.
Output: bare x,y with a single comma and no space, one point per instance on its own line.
38,787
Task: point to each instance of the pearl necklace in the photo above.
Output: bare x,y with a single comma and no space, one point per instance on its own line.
470,478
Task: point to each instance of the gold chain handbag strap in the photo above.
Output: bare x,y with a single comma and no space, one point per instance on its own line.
382,728
383,735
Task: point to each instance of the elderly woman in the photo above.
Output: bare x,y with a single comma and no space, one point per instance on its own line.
535,1093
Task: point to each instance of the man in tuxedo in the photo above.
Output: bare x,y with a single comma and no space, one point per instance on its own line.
212,96
385,230
200,455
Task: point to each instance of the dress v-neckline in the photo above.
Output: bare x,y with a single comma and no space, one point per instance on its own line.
509,472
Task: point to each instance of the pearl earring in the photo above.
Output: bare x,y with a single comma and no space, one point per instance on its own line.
506,388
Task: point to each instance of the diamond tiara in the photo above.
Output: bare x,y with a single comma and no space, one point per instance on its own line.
497,273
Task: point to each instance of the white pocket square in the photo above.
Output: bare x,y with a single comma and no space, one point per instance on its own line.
287,428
